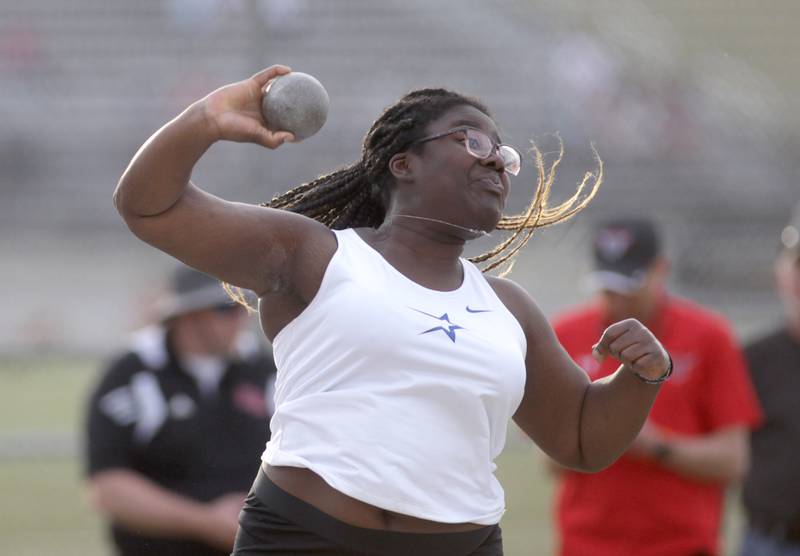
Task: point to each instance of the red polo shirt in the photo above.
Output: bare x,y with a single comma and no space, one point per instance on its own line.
637,507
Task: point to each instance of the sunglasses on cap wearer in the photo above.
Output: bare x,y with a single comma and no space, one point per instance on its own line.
226,308
481,146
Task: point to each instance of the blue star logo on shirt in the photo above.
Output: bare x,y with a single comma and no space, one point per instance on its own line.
450,329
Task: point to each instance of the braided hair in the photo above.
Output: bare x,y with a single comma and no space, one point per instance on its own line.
358,195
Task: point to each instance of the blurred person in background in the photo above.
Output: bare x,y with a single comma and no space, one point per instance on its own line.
177,423
772,487
664,496
400,362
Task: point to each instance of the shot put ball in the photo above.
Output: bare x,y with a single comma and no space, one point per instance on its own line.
295,102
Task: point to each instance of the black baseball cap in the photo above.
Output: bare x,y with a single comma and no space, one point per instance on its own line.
790,235
623,250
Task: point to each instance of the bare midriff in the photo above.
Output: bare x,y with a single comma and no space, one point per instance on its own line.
311,488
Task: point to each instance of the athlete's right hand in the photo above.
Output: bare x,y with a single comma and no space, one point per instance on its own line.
234,111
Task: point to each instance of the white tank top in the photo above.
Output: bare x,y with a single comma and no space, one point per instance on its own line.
398,395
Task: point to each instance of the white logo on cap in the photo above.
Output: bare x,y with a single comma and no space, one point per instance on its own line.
614,243
790,237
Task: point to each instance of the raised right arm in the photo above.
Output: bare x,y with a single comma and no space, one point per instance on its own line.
253,247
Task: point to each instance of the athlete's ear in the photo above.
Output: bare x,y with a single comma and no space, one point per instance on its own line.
400,166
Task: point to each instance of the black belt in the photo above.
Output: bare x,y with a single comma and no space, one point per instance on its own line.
782,529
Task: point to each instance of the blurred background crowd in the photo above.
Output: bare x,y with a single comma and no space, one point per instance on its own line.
693,105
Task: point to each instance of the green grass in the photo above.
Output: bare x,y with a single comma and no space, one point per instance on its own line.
527,524
43,395
43,511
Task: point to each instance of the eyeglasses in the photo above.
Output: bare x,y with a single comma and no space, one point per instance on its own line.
481,146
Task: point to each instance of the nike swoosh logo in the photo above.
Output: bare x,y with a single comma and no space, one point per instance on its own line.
478,310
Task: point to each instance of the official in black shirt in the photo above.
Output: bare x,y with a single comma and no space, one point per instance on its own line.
176,426
772,488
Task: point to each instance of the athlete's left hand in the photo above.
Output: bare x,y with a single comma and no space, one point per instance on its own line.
630,342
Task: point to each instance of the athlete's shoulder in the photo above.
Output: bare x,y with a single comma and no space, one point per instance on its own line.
513,295
519,302
504,286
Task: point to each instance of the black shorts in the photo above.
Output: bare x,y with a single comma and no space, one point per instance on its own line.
275,523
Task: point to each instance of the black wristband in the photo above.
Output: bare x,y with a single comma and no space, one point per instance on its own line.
659,380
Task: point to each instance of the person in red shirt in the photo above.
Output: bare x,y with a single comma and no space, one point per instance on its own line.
664,496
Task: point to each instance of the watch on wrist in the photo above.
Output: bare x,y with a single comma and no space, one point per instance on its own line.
661,451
